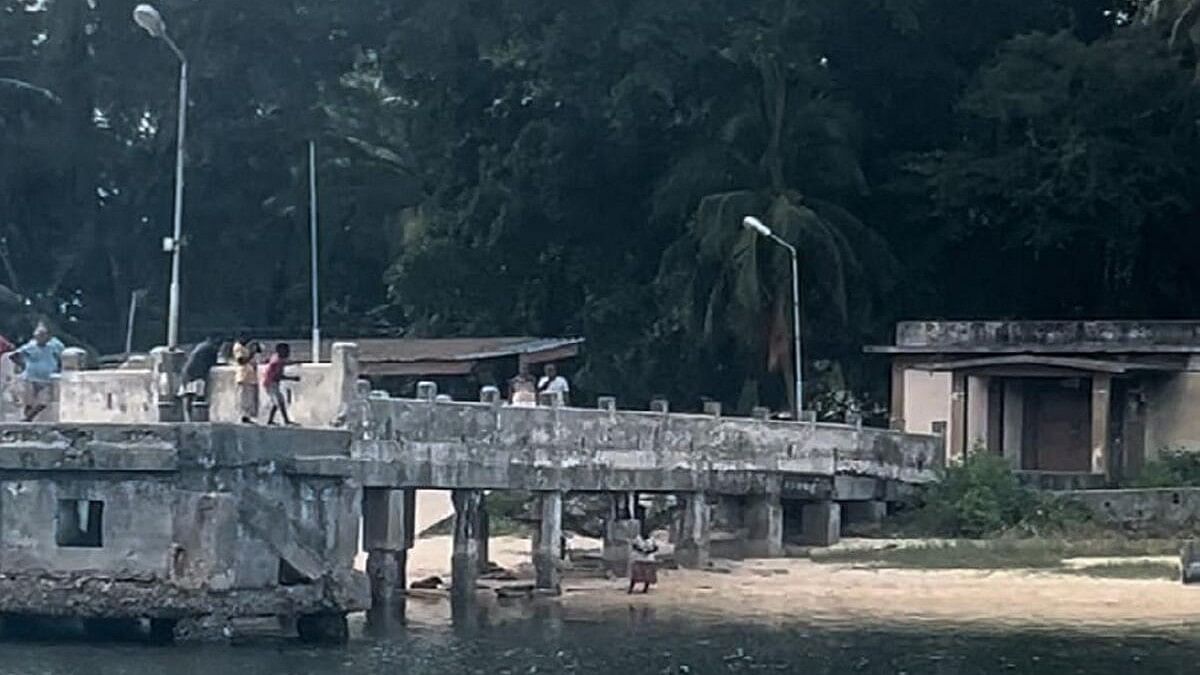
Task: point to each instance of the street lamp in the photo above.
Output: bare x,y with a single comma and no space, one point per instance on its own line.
148,18
755,225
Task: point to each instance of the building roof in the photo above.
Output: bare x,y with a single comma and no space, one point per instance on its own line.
1091,365
442,356
434,356
1044,337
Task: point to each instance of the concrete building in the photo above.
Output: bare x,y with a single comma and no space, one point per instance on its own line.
1068,403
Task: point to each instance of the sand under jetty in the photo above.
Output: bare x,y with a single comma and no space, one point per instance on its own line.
779,590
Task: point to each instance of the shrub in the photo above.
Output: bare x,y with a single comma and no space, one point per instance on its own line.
982,497
1172,468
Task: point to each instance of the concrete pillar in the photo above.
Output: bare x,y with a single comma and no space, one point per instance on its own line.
896,414
977,413
956,431
764,524
343,380
822,523
692,541
620,529
464,561
386,541
547,543
870,512
1101,405
712,408
166,364
73,358
1014,421
483,533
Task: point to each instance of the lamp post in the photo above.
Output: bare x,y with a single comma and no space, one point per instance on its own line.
148,18
755,225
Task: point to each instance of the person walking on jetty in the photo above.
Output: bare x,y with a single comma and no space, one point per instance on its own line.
193,378
522,389
245,359
643,564
39,360
273,377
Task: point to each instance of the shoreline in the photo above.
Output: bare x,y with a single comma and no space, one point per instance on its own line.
800,590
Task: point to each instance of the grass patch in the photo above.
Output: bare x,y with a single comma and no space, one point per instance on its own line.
1133,569
996,554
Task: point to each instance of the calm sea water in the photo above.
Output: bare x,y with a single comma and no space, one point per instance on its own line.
627,644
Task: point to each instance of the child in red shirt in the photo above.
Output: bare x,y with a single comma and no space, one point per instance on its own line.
272,377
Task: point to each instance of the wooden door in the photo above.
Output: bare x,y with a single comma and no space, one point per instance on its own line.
1059,415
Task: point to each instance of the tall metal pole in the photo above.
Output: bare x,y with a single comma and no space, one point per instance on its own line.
176,240
796,331
312,226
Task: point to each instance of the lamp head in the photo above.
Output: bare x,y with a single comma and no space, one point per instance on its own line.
756,225
148,18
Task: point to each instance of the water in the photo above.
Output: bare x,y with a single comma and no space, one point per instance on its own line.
632,643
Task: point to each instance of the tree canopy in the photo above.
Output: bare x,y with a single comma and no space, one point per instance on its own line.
551,167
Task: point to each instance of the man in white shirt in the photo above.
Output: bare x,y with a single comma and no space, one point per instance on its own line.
552,382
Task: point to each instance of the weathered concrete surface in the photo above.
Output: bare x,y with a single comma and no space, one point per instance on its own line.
182,520
693,545
414,443
547,542
1057,336
1144,509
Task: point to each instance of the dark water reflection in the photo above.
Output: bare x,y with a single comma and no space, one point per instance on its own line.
543,641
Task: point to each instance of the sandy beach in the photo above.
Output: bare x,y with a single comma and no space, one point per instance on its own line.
781,590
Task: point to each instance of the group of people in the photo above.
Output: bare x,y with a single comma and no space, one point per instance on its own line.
524,389
245,355
37,362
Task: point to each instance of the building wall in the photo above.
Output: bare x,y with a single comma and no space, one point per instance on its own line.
137,525
121,396
1173,414
926,400
310,401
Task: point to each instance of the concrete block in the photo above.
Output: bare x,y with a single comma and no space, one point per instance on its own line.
607,403
618,538
73,358
694,533
822,523
761,413
660,405
426,391
490,395
712,408
764,525
870,512
1189,562
550,399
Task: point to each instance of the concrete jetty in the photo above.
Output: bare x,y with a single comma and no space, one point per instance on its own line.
168,522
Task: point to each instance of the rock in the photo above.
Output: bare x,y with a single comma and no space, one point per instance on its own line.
428,583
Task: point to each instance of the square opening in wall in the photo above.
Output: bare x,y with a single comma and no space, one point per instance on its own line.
79,523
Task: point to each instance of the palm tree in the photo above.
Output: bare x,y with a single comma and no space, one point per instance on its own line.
733,290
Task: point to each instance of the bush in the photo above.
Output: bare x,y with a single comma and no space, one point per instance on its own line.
1172,468
982,497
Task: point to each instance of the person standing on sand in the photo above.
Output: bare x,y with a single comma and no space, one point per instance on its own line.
273,377
643,565
39,360
245,361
